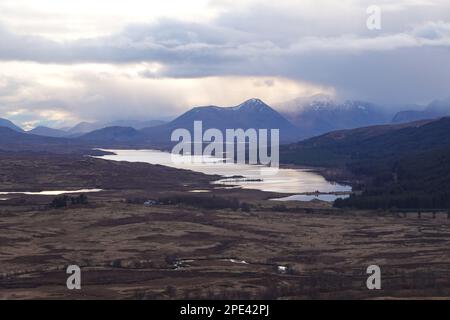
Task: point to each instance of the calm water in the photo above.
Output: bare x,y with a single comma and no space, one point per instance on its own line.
52,193
304,197
261,178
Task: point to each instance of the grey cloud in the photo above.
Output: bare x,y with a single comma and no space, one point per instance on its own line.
8,87
167,41
433,30
395,65
174,43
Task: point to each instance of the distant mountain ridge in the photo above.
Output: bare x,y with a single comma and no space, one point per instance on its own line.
322,114
135,124
86,127
48,132
436,109
307,117
251,114
9,124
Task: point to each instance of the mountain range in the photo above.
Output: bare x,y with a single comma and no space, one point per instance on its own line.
86,127
251,114
305,118
320,114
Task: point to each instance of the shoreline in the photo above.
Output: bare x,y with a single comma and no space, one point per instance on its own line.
333,175
337,177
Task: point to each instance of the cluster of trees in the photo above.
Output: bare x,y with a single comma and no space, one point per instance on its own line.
401,201
419,180
64,201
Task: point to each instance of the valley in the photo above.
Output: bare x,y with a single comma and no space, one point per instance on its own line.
187,249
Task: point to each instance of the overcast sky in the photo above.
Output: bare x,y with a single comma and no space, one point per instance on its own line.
63,61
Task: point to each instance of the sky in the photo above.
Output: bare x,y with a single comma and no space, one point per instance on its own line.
65,61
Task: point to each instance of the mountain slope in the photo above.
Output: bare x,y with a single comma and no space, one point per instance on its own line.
9,124
374,142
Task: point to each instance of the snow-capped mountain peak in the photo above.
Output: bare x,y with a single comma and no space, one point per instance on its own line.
319,114
254,103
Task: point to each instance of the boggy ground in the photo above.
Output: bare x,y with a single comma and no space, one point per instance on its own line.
129,251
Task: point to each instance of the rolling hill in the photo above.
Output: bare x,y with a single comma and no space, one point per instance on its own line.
114,136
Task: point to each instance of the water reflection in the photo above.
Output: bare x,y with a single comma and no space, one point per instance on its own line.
246,176
52,193
321,197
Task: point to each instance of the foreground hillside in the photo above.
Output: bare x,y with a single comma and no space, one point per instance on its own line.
405,166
